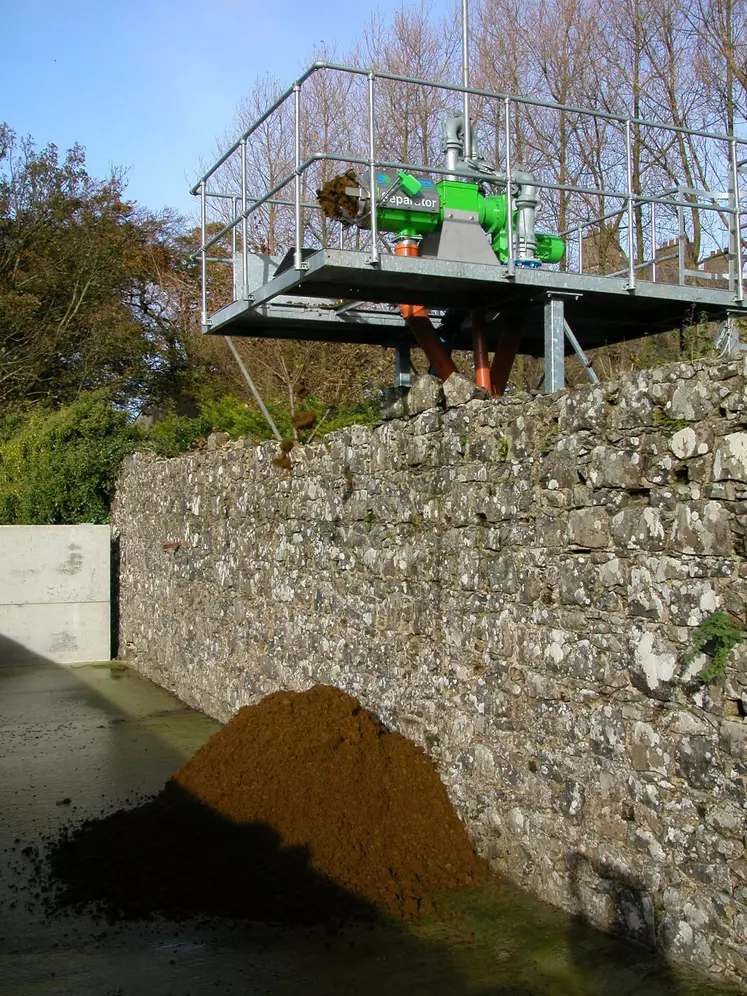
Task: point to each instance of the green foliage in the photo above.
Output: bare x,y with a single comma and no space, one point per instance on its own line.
89,283
175,434
666,421
229,414
717,635
341,416
60,467
550,439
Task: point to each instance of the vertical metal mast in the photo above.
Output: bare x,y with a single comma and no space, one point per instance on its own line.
465,79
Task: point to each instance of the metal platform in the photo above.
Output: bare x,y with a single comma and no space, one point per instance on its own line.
600,310
347,286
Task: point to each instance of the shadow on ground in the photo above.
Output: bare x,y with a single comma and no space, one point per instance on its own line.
78,744
175,856
629,913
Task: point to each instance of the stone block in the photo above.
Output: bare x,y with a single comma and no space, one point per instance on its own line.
734,738
614,468
582,409
425,394
394,402
459,389
697,763
687,443
559,470
730,459
638,529
588,528
217,439
653,663
701,527
690,400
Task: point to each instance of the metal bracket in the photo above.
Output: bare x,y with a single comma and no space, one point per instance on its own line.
727,339
402,366
460,240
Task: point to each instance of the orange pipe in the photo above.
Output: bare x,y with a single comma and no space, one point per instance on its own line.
480,349
506,349
417,320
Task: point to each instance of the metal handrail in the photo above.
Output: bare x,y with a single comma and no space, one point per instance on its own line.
517,99
662,198
443,171
274,200
643,265
457,88
631,199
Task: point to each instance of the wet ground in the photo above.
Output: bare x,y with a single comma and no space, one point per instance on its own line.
78,741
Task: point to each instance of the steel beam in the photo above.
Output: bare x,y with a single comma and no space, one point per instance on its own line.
554,345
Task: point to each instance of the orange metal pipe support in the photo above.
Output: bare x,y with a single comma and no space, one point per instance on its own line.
416,317
480,349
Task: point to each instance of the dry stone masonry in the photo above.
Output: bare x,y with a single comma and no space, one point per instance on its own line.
517,586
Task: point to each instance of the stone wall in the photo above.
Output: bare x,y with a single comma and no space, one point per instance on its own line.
516,586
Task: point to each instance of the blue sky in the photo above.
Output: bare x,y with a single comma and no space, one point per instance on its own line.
151,86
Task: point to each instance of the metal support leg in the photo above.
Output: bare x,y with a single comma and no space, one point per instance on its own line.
554,345
402,369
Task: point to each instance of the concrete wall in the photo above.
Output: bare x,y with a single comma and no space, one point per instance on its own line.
514,585
54,593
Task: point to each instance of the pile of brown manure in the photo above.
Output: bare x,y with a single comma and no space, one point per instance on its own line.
303,808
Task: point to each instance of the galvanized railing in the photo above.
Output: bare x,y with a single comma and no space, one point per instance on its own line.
673,197
631,201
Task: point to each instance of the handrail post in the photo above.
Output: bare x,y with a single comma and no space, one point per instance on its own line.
238,293
203,255
654,246
580,251
681,234
509,193
244,226
737,220
374,257
631,248
467,149
298,251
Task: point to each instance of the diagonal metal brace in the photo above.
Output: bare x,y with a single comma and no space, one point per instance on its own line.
587,363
